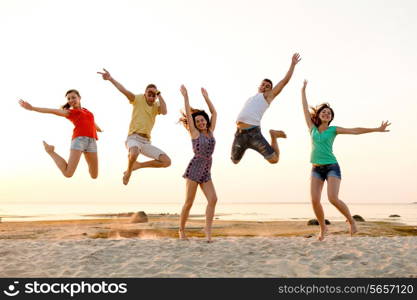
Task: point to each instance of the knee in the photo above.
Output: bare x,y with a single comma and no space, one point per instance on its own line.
333,199
212,201
133,152
315,201
188,203
68,174
165,160
235,161
274,159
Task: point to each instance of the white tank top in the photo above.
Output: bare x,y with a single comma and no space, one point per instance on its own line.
253,110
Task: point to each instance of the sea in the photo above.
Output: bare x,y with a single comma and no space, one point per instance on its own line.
249,211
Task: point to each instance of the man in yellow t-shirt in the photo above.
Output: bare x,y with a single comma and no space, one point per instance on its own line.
145,110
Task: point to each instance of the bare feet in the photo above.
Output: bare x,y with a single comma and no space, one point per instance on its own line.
323,232
182,236
353,229
277,134
48,148
208,235
126,177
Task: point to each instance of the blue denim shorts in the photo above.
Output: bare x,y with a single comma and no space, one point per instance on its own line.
323,171
84,144
251,138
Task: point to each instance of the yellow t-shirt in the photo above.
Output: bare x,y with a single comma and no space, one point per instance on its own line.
143,116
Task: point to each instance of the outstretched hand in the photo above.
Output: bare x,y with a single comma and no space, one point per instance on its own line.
25,105
204,92
305,84
106,75
383,126
183,90
295,59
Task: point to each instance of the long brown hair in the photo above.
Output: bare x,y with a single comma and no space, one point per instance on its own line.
66,106
315,112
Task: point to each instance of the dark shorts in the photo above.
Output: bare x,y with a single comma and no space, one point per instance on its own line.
324,171
250,138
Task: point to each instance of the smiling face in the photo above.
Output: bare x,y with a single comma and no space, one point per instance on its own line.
265,86
200,123
325,115
73,99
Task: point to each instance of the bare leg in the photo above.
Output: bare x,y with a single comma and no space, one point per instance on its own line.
92,161
69,168
191,189
133,156
163,162
316,187
333,186
210,193
275,134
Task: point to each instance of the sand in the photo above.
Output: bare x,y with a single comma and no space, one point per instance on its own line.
116,248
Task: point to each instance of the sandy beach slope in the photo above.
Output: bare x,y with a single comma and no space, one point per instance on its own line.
227,257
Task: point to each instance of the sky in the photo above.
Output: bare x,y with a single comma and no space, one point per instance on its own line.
360,56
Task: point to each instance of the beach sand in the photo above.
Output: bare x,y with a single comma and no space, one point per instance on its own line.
117,248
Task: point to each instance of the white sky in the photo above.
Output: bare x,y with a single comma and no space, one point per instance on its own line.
358,55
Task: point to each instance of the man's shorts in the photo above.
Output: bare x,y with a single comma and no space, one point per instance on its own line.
250,138
145,147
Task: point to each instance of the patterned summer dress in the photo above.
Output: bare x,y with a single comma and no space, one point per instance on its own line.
199,167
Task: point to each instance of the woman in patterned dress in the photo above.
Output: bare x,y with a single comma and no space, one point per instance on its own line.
201,129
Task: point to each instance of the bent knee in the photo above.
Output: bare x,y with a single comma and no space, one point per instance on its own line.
68,174
134,151
165,160
333,200
235,161
273,160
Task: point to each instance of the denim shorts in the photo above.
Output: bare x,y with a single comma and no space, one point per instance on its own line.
324,171
250,138
84,144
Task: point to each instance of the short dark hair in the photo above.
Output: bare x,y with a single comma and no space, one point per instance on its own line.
151,85
66,105
315,112
269,81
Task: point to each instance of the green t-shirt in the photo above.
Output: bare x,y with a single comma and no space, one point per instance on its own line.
322,146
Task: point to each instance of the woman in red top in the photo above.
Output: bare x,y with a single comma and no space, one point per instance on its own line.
83,139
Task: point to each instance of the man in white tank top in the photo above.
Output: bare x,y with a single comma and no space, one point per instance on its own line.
248,134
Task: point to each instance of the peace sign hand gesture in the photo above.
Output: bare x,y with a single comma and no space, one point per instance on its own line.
106,75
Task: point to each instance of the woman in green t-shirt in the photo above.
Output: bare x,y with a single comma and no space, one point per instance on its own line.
325,166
